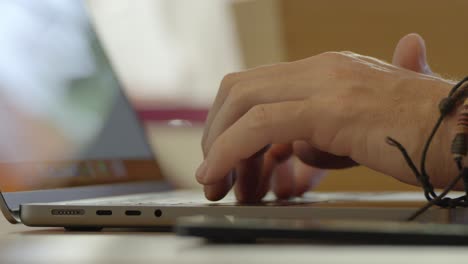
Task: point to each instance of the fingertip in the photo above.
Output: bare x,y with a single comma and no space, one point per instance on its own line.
301,188
217,191
213,194
207,174
414,36
410,53
283,180
301,185
412,41
262,191
283,194
307,178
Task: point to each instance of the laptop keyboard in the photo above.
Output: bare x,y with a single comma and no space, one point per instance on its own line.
185,198
166,198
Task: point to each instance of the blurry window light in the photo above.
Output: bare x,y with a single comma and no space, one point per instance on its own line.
169,52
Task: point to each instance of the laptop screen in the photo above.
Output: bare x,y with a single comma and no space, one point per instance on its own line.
66,121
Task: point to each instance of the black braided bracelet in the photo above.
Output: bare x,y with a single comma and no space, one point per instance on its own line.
459,151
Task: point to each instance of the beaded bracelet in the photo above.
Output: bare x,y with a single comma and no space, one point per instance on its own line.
459,151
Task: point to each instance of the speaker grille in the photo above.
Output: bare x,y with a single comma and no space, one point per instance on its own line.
67,212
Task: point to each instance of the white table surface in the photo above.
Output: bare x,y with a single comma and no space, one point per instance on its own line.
21,244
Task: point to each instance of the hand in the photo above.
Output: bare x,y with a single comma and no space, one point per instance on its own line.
356,100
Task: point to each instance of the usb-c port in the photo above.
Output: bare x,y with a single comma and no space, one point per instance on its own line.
132,212
104,212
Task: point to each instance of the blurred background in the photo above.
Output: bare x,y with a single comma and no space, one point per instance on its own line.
170,56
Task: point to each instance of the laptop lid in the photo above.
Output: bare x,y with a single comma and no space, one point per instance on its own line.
71,133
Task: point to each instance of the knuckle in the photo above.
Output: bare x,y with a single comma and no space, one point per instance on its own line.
343,71
339,57
331,55
335,65
229,80
347,53
259,117
338,54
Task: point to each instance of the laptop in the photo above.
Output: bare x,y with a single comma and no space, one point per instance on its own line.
99,170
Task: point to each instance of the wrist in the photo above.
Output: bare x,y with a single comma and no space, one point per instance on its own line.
415,128
443,166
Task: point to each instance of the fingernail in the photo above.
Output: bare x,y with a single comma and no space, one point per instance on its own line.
201,171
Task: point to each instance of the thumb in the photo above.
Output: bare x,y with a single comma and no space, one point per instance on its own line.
410,53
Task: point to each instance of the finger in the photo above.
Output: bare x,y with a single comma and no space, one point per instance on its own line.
218,191
247,185
320,159
262,125
278,153
247,177
249,93
227,84
283,180
249,188
306,177
410,53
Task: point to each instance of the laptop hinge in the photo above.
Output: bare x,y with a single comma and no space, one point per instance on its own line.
12,216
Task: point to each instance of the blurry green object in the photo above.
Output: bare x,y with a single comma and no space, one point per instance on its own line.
94,94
